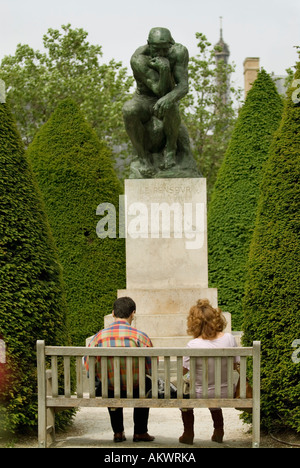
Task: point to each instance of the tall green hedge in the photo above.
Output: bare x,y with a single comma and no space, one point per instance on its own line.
32,304
232,209
272,294
75,174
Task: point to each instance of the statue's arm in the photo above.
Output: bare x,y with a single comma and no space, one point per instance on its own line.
180,74
153,73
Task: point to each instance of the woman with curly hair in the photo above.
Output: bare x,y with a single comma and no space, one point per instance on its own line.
206,324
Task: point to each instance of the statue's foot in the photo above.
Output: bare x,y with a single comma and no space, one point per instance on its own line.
141,169
146,169
169,159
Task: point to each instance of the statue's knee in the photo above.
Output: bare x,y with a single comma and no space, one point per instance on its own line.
172,117
128,111
173,112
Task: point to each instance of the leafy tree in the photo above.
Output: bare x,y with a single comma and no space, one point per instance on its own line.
232,209
32,302
272,293
70,67
75,174
209,117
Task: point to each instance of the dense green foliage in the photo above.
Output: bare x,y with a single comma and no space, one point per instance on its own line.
232,209
272,293
32,302
75,174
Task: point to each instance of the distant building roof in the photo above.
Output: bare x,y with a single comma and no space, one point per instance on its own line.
224,52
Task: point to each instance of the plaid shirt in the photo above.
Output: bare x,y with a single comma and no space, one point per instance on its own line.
121,334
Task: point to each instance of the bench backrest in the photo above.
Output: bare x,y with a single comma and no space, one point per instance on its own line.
166,363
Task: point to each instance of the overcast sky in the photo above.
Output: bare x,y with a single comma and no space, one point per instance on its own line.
268,29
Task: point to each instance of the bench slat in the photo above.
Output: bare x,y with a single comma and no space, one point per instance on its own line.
205,377
104,377
167,378
179,381
137,352
129,377
117,377
230,377
193,377
79,377
243,368
154,376
92,362
67,376
54,369
142,377
218,368
149,402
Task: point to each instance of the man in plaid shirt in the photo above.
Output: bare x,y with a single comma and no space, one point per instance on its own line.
121,334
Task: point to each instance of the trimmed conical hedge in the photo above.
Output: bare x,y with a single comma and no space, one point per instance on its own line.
75,174
32,302
272,293
232,209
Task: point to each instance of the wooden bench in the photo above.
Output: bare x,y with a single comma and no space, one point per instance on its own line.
165,361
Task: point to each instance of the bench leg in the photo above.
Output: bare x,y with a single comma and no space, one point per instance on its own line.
255,425
51,424
256,396
42,427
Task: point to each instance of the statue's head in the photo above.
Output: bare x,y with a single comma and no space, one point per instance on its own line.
160,41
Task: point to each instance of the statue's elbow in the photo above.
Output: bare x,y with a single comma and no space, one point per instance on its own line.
182,90
185,89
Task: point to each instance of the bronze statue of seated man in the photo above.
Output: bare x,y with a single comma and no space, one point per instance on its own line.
152,119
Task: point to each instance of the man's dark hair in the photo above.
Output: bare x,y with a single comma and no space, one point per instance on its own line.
123,307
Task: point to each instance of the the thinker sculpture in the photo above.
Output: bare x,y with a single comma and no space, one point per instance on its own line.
152,119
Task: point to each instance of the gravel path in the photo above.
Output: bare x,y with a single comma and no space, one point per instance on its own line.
91,429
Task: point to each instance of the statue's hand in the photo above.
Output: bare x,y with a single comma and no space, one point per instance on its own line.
162,105
160,63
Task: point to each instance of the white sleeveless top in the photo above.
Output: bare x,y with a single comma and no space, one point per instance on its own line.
225,341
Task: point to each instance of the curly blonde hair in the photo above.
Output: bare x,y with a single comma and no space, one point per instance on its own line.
205,321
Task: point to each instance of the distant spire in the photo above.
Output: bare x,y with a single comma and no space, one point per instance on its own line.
221,27
224,52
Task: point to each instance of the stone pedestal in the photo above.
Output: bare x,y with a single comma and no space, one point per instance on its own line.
166,255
